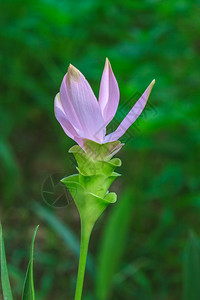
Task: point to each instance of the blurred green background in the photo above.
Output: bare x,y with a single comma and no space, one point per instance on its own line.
140,247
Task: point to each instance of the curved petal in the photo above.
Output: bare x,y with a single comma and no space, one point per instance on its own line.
131,116
108,94
81,106
66,125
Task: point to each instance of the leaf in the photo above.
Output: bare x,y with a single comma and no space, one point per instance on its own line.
112,246
7,293
191,280
28,290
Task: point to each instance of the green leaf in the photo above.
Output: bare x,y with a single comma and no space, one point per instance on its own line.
7,293
191,281
112,246
28,290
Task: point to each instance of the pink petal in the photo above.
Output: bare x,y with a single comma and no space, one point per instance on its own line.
131,116
108,94
66,125
81,106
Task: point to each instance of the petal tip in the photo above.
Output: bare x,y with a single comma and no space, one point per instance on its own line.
73,72
107,63
151,86
149,89
57,96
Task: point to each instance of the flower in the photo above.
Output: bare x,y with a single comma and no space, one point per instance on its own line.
83,117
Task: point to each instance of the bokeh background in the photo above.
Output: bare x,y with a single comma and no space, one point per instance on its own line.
146,246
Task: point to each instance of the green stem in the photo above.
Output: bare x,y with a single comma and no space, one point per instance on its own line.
85,237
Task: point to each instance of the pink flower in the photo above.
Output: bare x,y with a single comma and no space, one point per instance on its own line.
82,116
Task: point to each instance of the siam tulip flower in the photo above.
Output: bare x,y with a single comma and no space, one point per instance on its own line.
83,117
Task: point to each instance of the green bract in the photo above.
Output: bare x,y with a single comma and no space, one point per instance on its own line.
89,188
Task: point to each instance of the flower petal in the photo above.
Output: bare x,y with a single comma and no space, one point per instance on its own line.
131,116
66,125
81,106
108,94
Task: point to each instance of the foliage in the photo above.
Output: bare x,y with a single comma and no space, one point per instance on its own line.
28,292
160,160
